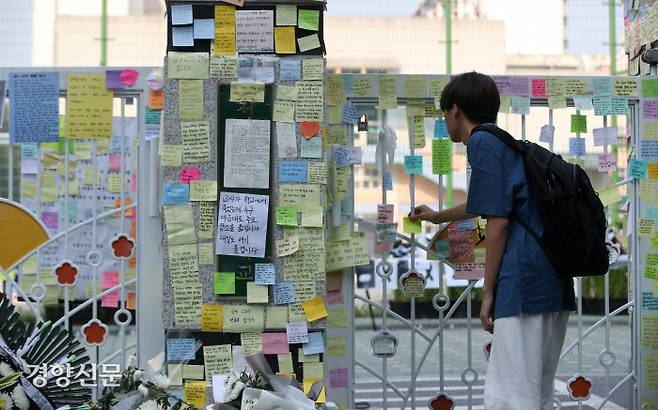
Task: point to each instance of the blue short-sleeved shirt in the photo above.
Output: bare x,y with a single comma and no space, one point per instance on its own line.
526,281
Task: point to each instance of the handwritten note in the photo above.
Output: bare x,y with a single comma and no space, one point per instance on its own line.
247,154
195,393
293,171
242,224
286,215
203,190
286,140
625,88
604,136
243,318
34,109
254,30
257,293
579,123
196,141
181,349
212,318
88,107
441,156
171,155
225,31
190,99
576,146
175,194
309,106
607,163
409,226
283,293
308,43
180,224
217,359
283,111
387,91
265,274
413,164
297,333
191,66
247,92
224,67
275,343
286,15
284,40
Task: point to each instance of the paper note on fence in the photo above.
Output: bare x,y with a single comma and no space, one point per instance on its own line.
242,224
247,154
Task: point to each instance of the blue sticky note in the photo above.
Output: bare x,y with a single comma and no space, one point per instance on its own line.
520,105
652,213
29,150
341,155
181,14
348,85
204,29
602,85
649,149
413,164
183,36
576,146
180,349
175,194
113,80
311,148
265,274
350,115
618,106
315,344
152,116
293,171
638,168
283,293
602,105
440,128
33,107
387,181
290,69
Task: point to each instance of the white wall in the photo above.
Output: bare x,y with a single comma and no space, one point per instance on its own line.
16,23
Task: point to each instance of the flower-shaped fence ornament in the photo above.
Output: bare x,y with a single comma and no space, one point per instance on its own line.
67,273
123,247
579,387
441,402
94,332
413,284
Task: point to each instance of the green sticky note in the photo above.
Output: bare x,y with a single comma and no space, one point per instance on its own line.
286,215
224,283
650,88
578,123
441,156
309,19
409,226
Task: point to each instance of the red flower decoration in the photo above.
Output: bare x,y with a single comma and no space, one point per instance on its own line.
94,332
123,247
579,387
442,402
67,273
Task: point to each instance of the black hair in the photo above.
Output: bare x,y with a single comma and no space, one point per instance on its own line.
475,94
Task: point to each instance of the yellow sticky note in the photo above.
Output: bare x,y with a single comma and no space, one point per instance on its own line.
310,358
315,308
505,104
206,252
322,397
190,99
191,66
409,226
284,40
217,359
363,87
257,293
313,69
212,319
193,371
28,189
337,317
175,374
82,151
276,317
314,370
336,346
88,107
556,102
171,155
195,393
609,195
114,182
203,190
247,92
388,91
283,111
285,363
645,227
312,217
413,86
243,318
251,343
224,43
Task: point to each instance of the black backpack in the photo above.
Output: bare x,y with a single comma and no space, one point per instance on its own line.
574,219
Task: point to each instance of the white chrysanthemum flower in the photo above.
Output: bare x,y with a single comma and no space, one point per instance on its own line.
20,399
249,404
143,389
132,361
6,403
137,376
235,392
6,370
149,405
161,381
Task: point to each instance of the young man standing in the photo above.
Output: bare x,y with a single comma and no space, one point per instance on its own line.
526,302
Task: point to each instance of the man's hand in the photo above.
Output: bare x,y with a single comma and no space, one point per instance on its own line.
485,312
422,213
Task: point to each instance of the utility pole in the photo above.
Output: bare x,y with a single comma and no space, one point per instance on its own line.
447,7
612,41
103,33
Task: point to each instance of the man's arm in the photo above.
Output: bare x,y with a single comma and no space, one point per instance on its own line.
425,213
497,229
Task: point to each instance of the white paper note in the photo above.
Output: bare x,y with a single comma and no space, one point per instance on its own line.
242,224
247,154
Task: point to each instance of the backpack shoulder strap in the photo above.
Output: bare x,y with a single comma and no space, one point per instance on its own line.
502,135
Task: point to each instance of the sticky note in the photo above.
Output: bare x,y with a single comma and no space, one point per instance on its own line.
212,318
409,226
181,14
293,171
217,360
336,346
312,217
254,30
413,164
251,342
581,102
609,195
89,107
175,374
576,146
646,227
602,105
247,92
203,190
625,88
308,43
204,29
171,155
276,317
188,174
308,19
265,273
175,194
297,333
257,293
243,318
224,283
224,67
604,136
387,91
195,393
290,69
190,99
275,343
638,168
285,363
181,349
182,36
607,163
338,378
313,371
286,215
578,123
283,111
315,344
557,102
192,371
520,105
286,15
284,40
441,156
225,31
440,128
283,293
314,308
337,317
650,88
312,69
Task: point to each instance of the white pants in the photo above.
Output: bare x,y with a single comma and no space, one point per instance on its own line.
524,356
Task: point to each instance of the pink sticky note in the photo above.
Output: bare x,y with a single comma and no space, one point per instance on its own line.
110,279
538,87
113,79
133,183
189,174
114,164
650,109
129,77
50,219
111,300
275,343
337,378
